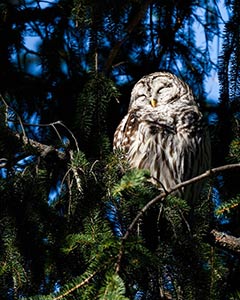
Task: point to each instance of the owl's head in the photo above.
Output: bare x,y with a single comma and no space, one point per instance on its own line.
157,89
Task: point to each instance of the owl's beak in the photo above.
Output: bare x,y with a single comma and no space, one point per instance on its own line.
153,102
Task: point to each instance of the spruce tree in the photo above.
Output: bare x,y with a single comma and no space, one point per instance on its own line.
75,221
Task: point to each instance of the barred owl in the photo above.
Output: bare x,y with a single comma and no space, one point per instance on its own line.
163,132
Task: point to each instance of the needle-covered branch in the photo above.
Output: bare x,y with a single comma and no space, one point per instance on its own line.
128,30
165,193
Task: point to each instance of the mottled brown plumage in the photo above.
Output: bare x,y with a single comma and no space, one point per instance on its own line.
163,132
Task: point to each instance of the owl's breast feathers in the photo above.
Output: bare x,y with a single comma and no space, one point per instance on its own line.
188,122
168,145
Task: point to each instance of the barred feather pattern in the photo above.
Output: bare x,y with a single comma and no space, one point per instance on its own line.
163,132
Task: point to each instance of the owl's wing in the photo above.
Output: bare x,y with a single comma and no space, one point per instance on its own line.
195,140
195,146
124,132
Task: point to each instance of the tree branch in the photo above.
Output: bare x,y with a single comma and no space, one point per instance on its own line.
79,285
162,196
225,241
177,187
129,29
41,148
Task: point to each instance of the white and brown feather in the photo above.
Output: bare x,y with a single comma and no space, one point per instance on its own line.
169,140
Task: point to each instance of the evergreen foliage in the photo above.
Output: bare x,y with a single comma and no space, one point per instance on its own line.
75,221
91,113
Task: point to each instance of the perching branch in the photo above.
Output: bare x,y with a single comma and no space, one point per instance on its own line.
163,195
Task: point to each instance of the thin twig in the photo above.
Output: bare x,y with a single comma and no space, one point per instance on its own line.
70,132
76,286
52,125
57,133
